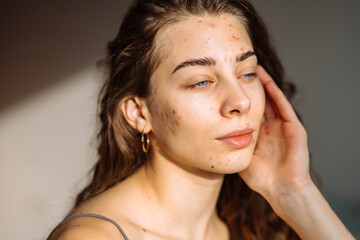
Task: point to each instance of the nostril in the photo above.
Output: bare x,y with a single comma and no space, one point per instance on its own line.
235,111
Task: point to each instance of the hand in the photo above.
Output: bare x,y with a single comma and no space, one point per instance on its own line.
281,157
279,171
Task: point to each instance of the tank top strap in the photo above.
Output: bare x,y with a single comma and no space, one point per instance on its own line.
93,215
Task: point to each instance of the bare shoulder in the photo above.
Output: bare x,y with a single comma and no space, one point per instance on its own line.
84,228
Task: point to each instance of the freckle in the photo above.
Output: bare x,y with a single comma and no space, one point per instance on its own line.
185,39
212,166
149,198
144,229
173,111
225,164
199,21
210,158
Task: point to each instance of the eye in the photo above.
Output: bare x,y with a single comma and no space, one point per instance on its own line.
248,76
201,84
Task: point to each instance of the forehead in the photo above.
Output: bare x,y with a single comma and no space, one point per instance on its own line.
220,37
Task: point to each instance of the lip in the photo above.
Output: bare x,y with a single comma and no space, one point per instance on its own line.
238,138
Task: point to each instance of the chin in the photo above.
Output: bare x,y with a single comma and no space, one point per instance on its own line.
237,162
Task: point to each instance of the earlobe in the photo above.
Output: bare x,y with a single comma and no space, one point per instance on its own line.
133,109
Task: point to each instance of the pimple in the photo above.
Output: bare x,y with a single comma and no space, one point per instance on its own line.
174,131
177,123
235,38
173,111
267,131
212,25
230,25
219,163
242,49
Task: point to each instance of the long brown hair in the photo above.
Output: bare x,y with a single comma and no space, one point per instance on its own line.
132,58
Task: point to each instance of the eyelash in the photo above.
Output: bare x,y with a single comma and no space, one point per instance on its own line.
200,84
252,76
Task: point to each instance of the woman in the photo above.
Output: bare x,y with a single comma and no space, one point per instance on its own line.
197,140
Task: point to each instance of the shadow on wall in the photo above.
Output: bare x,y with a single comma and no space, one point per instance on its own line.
43,42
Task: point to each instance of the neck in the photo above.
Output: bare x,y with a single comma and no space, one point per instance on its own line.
183,198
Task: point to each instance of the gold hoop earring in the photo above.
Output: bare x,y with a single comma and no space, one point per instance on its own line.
145,149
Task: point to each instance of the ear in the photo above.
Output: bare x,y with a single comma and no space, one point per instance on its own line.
135,111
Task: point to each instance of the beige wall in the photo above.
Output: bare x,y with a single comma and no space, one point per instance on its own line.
45,153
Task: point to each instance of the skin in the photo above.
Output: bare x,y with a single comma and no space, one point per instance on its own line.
186,113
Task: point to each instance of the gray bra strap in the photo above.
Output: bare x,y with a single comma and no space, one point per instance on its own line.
94,215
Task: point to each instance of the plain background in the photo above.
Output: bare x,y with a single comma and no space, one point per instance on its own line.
49,84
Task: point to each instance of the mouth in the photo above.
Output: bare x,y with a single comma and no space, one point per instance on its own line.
238,138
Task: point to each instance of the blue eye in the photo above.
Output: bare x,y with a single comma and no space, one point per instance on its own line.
249,76
200,84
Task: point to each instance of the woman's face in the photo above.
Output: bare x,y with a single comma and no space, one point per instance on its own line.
206,102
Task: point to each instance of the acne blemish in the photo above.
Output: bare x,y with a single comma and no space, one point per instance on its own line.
174,131
173,111
212,25
219,163
267,130
226,164
242,49
235,38
177,123
230,25
199,21
210,158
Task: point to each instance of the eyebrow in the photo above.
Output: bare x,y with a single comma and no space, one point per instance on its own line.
208,61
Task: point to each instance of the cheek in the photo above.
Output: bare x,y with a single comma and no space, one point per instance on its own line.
165,117
257,97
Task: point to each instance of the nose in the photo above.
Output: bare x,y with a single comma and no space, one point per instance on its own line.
236,101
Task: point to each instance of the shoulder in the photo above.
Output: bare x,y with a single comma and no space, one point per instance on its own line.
84,228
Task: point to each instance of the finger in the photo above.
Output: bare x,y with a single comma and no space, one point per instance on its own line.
281,105
269,112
